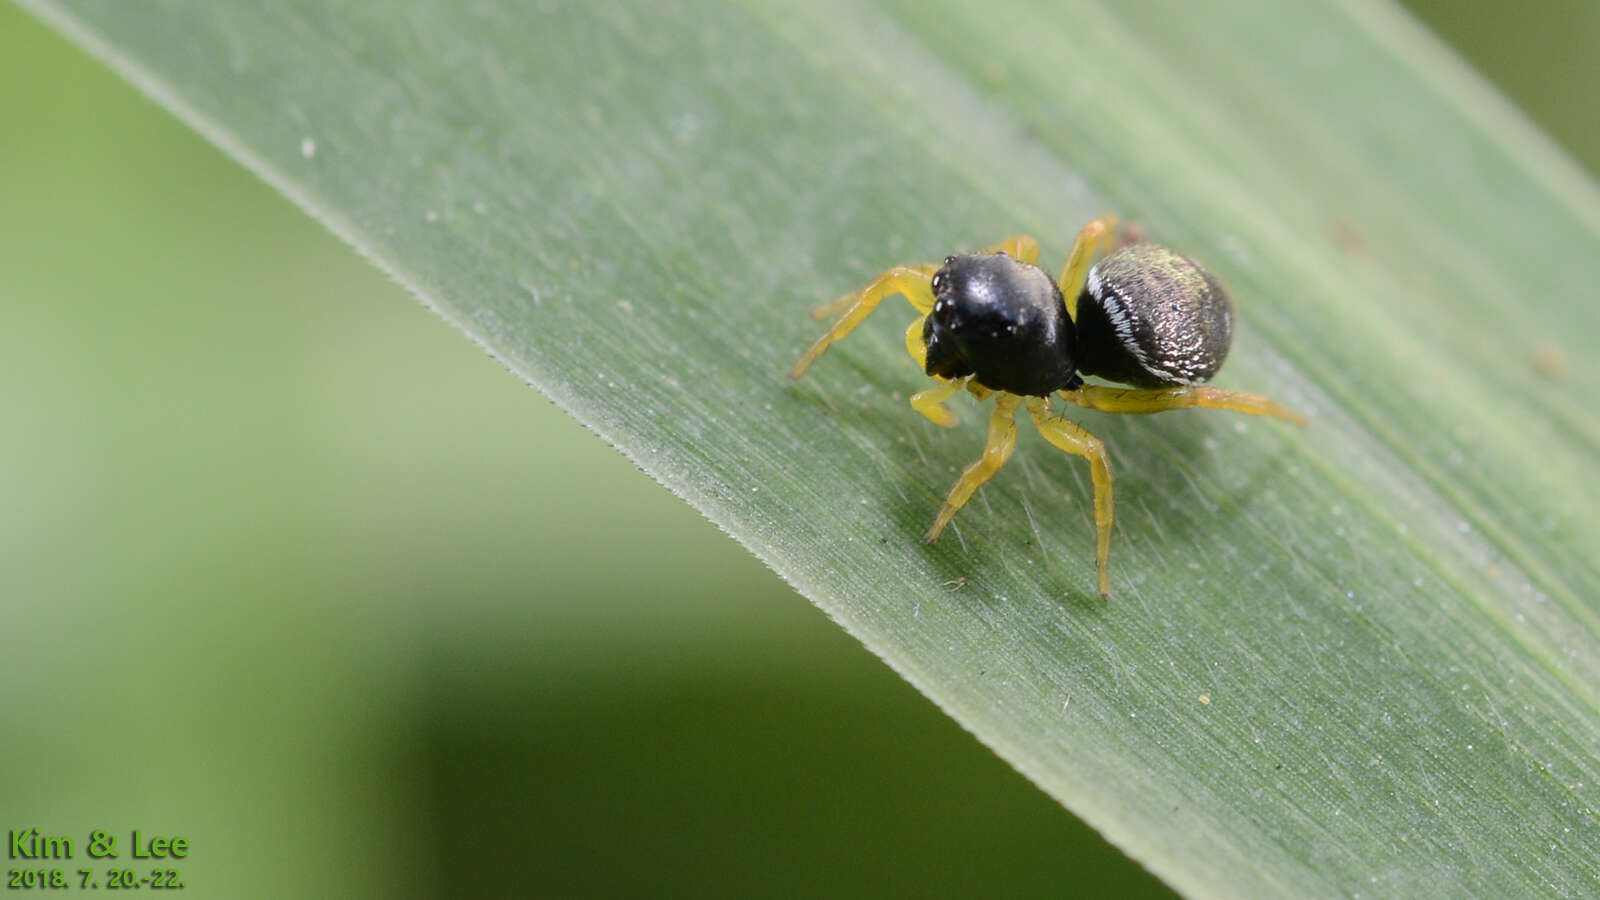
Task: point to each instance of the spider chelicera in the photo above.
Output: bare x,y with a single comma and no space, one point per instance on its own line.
997,325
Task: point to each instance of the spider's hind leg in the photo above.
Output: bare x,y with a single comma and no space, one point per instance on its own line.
1154,400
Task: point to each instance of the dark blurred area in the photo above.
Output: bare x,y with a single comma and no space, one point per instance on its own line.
1541,55
292,570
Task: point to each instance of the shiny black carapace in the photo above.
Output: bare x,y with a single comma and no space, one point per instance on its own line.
994,323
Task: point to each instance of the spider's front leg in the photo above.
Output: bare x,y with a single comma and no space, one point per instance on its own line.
914,282
931,401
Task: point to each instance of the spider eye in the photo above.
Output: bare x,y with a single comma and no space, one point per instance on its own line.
949,259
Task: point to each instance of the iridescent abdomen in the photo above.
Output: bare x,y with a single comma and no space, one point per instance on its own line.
1151,317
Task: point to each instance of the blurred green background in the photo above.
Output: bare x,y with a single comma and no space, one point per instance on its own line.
290,569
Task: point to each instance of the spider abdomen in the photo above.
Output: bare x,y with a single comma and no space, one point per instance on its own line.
1151,317
1001,321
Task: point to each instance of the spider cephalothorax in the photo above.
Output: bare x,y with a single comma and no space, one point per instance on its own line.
1002,317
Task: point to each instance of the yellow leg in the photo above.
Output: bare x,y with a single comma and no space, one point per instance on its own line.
996,450
1077,267
915,345
833,307
1019,247
931,402
912,281
1138,400
840,304
1070,437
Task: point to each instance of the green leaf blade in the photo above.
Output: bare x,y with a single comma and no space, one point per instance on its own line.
1359,657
